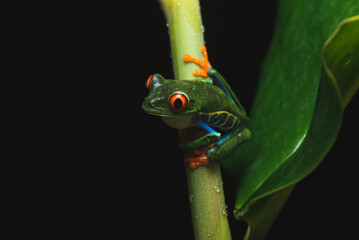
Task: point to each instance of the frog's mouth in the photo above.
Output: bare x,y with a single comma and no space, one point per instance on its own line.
174,121
159,111
156,111
159,115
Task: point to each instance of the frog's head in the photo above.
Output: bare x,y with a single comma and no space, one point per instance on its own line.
170,98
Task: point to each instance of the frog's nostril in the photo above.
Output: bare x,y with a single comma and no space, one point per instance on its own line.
147,103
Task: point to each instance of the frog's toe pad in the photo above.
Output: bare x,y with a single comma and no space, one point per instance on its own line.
195,162
202,73
216,156
205,65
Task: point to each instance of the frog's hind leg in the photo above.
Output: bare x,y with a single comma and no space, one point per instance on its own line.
228,143
219,81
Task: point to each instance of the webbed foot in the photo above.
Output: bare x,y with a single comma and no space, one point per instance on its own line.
196,161
205,65
197,157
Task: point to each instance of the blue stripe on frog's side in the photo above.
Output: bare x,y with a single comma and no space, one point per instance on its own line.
221,119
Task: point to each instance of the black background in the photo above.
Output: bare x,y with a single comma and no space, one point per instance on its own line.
128,175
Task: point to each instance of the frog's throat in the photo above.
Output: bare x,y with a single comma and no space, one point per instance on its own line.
179,122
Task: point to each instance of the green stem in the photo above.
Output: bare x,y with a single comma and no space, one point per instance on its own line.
186,34
205,188
209,215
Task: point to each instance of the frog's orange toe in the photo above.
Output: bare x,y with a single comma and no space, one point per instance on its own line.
187,58
200,73
194,165
195,162
205,65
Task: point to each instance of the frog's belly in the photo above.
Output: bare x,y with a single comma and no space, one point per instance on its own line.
179,122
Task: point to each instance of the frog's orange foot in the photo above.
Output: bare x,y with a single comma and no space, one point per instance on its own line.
205,65
195,162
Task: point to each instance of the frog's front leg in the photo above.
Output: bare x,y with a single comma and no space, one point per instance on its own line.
211,137
228,143
196,145
205,65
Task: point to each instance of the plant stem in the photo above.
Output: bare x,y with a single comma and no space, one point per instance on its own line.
209,215
186,34
205,188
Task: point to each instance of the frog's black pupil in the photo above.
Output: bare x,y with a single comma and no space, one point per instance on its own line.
178,103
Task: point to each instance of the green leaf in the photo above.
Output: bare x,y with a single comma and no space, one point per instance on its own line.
297,111
341,58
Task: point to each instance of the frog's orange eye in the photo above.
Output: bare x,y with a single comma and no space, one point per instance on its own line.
178,101
148,82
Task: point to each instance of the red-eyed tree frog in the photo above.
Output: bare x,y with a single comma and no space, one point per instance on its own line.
207,103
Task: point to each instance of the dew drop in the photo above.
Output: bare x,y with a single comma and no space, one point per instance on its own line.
224,212
216,188
190,197
202,28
